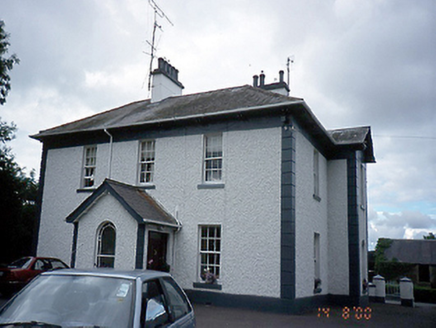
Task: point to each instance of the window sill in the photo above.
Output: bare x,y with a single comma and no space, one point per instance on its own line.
83,190
207,286
211,186
317,198
147,186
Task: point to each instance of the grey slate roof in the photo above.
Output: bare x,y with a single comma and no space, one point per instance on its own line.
412,251
218,103
175,108
142,207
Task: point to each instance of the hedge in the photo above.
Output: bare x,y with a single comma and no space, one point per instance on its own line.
424,295
394,270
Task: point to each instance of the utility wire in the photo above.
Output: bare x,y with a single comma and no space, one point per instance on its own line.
404,137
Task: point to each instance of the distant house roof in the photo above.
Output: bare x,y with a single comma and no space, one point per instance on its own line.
229,102
412,251
141,206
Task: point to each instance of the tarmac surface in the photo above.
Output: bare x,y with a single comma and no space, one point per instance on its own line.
376,315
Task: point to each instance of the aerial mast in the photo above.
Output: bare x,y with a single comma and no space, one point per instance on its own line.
288,64
157,12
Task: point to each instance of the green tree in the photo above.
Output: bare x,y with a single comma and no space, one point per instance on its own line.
6,64
379,254
430,236
18,194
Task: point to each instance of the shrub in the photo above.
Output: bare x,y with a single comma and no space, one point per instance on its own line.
395,270
424,294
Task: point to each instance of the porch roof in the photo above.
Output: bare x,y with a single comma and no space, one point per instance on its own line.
138,203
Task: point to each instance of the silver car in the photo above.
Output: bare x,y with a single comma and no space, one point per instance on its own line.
100,298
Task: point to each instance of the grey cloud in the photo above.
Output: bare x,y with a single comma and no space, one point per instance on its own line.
369,63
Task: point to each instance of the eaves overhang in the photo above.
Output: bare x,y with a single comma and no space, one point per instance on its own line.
141,206
253,110
285,107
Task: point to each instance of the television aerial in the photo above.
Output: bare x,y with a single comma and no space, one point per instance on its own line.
158,12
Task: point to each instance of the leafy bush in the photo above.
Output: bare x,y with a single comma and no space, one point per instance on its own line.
395,270
379,255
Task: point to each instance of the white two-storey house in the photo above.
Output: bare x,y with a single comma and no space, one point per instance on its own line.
243,183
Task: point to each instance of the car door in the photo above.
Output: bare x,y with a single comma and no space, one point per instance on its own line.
154,311
165,305
179,308
35,269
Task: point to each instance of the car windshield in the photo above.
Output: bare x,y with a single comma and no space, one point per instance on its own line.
73,301
22,263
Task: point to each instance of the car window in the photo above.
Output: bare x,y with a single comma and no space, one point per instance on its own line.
73,301
177,302
22,263
153,313
38,265
43,265
56,264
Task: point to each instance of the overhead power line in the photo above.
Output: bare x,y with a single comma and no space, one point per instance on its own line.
404,137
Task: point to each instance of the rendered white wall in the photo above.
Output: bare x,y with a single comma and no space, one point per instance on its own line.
247,208
62,179
107,209
163,87
338,270
311,217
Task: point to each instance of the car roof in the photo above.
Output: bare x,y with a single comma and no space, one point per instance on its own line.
111,273
39,258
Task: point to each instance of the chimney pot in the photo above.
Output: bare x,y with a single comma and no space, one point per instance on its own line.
161,63
281,74
255,81
262,79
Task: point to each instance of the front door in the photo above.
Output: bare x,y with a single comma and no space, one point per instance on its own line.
157,251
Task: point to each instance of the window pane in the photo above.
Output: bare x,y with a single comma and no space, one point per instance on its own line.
204,245
108,241
106,262
210,248
211,245
218,245
146,161
155,313
106,246
89,164
213,158
177,302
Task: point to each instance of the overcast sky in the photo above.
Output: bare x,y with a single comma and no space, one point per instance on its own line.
356,63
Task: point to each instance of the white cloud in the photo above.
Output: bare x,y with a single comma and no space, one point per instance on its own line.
356,63
402,225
